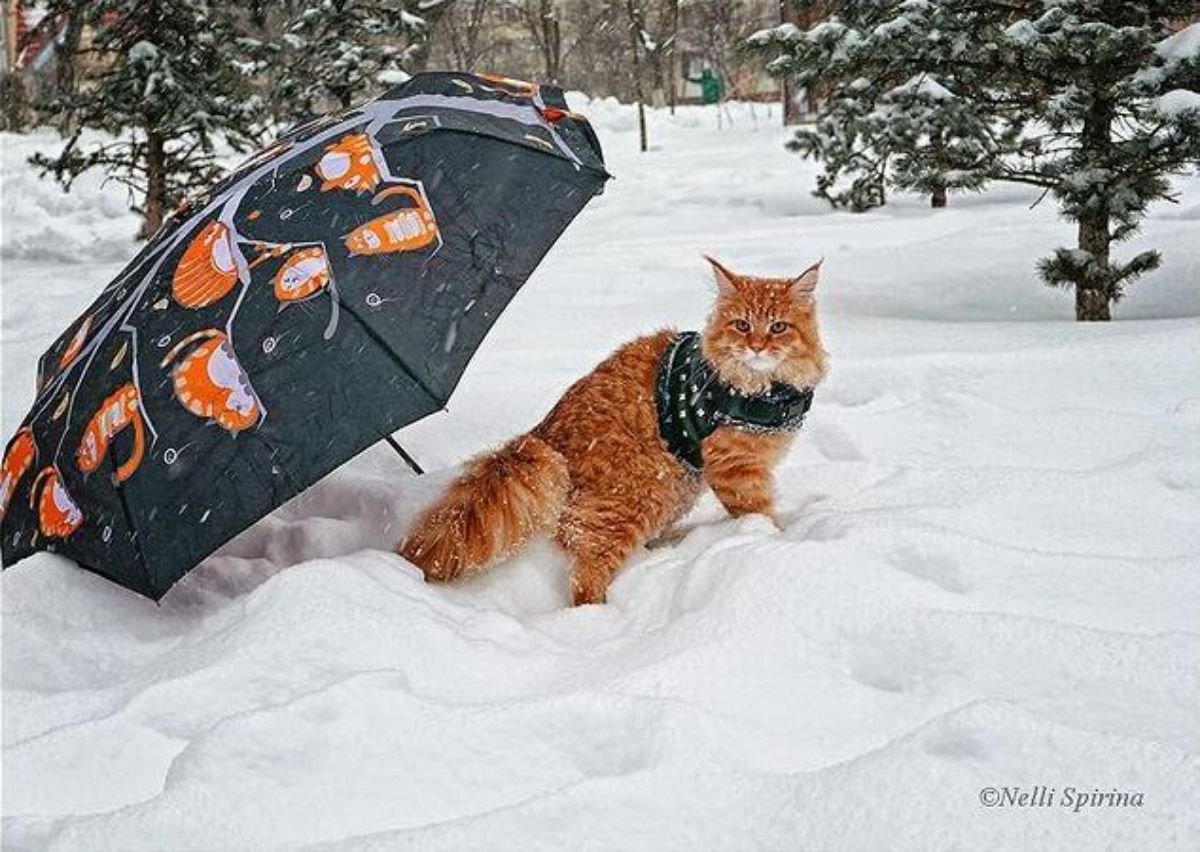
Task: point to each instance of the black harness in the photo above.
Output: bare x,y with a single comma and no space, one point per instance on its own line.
693,402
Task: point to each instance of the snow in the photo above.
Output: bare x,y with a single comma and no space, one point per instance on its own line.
783,32
143,51
1179,101
1181,46
923,84
987,573
40,223
1022,33
392,76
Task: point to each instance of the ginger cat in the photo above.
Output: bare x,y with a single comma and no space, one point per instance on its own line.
628,448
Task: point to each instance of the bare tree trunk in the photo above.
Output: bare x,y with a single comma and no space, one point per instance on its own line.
418,56
634,46
155,208
1095,237
658,91
786,87
673,57
659,56
472,51
15,102
544,26
64,70
554,39
1091,304
937,147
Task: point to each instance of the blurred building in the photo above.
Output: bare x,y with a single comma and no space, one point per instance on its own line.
25,47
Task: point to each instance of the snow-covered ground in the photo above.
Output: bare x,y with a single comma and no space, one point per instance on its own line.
989,574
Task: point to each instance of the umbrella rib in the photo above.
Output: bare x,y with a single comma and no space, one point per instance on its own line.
134,537
393,354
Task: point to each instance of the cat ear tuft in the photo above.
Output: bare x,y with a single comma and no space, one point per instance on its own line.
805,284
726,280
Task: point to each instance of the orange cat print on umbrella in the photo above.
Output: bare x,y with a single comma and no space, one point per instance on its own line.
303,274
22,452
401,230
521,88
349,163
76,345
118,412
207,270
58,513
210,382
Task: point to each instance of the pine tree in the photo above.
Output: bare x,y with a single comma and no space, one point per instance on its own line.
169,82
1114,99
890,115
940,140
339,52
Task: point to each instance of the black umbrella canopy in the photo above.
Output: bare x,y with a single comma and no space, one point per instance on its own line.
330,291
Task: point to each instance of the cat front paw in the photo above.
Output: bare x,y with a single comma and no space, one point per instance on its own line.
588,589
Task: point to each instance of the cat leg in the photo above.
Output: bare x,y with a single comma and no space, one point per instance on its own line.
739,466
673,530
590,575
601,531
749,492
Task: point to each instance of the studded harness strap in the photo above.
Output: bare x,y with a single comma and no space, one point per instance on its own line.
693,402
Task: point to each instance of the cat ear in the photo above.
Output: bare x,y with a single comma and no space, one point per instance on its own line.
805,284
726,280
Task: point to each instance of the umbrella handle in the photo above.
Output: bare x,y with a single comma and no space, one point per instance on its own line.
400,451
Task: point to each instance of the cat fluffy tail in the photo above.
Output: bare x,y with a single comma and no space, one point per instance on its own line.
490,511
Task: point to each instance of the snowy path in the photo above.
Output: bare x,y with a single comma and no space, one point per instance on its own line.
988,574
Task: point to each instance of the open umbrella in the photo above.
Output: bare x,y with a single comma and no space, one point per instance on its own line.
327,293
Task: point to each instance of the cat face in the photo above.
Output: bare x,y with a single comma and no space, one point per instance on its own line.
764,330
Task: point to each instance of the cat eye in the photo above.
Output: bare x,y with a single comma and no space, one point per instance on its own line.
741,326
779,327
